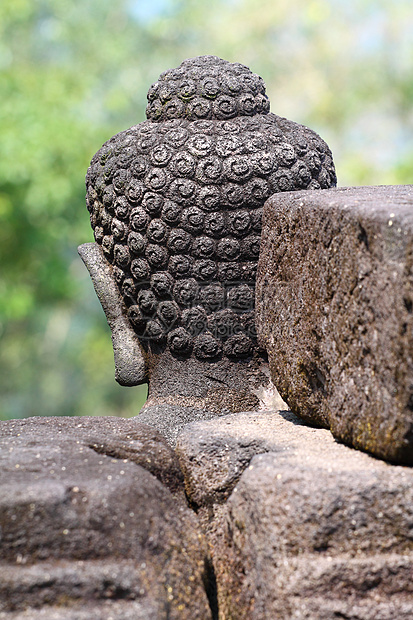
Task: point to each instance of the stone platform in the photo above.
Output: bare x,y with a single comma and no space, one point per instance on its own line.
94,524
299,526
279,522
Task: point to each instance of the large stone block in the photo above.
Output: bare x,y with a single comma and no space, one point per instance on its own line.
300,526
335,312
94,524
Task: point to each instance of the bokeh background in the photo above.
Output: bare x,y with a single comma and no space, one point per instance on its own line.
73,73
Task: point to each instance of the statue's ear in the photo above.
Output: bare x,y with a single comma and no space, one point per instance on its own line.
130,366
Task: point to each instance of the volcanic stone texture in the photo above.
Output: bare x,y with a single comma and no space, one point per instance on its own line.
334,311
299,526
176,205
94,524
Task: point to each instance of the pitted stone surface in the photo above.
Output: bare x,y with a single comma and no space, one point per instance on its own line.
299,526
96,590
207,87
334,311
176,204
94,521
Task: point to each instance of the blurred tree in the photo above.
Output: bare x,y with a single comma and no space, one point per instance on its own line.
73,74
59,64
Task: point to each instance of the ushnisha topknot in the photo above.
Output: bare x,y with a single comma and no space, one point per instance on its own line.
176,205
207,87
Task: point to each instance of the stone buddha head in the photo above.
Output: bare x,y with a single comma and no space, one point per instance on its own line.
175,204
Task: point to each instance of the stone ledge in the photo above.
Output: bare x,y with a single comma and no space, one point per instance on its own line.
46,583
108,610
299,525
334,311
83,521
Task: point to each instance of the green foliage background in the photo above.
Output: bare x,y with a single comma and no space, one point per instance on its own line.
74,73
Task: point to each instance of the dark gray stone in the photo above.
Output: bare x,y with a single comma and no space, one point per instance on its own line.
214,455
306,528
334,311
90,590
171,419
94,520
175,205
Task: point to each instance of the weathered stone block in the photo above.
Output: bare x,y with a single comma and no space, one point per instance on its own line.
308,529
94,524
334,311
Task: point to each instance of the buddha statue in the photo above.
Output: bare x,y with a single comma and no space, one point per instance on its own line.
175,204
